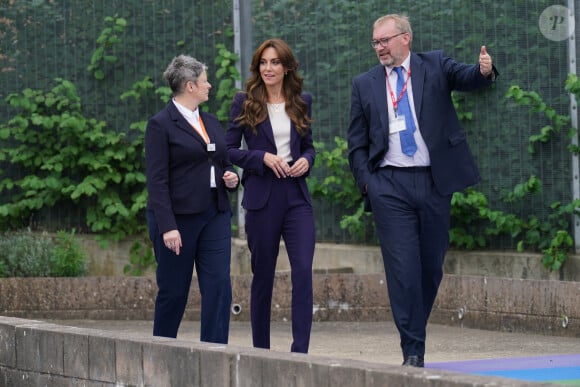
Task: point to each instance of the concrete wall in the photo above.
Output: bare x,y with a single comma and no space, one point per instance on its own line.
34,353
514,305
495,291
358,259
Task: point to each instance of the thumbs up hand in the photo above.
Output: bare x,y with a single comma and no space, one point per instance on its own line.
485,63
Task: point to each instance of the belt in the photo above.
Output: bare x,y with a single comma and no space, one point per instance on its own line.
409,169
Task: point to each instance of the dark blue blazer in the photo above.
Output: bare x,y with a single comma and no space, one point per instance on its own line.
257,177
178,166
434,77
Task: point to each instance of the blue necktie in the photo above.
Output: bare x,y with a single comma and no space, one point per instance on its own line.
408,145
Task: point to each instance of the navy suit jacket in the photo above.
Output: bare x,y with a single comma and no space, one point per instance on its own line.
434,77
178,166
257,177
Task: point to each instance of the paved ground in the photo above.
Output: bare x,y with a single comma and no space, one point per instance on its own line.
375,341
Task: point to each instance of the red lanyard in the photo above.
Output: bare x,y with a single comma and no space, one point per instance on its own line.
403,90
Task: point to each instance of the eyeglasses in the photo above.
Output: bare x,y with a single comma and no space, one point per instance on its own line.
384,41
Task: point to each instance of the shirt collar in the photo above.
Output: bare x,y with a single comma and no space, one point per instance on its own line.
187,113
406,65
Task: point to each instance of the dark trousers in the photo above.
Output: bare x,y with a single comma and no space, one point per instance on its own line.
287,214
206,240
412,221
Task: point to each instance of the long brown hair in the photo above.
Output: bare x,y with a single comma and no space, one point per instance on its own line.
254,109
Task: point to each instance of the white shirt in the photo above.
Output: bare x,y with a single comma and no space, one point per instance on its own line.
395,155
281,129
192,117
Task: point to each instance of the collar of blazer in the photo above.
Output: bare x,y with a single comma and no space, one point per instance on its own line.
182,123
265,127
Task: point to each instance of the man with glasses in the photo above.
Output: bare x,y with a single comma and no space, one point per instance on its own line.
408,154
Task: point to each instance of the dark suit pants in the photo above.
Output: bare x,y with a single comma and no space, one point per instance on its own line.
206,240
286,214
412,222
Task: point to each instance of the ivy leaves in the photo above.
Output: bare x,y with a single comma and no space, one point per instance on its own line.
65,156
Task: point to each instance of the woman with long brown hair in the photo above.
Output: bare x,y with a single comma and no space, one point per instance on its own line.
273,117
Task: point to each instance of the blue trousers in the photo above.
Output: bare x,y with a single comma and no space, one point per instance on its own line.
206,240
289,215
412,221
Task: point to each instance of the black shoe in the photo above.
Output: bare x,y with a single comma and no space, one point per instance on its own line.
414,361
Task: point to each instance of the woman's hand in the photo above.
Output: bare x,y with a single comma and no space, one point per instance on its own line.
230,179
172,240
299,168
277,165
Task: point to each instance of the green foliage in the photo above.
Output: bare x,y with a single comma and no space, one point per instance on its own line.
141,258
69,259
228,74
557,253
139,89
25,255
106,42
338,187
550,236
67,157
537,105
573,86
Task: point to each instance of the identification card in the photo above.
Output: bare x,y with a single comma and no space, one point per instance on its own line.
211,147
397,125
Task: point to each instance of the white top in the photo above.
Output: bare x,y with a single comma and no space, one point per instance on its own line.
281,129
395,155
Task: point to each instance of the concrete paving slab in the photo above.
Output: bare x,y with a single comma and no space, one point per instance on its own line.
373,341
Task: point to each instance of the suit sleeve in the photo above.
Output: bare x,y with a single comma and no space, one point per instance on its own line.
306,144
464,77
358,139
157,172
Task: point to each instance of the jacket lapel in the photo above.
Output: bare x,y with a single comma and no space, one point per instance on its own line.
268,131
418,81
379,93
378,85
182,123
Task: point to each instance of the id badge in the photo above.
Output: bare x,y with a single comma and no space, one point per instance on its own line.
397,125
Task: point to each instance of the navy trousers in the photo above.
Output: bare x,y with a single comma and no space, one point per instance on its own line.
289,215
206,240
412,221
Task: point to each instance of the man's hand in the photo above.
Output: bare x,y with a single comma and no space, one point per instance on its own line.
485,63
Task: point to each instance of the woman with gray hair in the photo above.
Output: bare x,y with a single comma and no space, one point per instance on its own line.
188,210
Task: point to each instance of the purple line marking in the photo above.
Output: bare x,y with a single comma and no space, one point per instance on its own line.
518,363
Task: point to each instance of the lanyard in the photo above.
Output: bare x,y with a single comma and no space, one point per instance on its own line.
403,90
201,130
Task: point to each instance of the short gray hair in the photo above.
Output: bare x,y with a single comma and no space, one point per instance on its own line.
401,21
183,68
